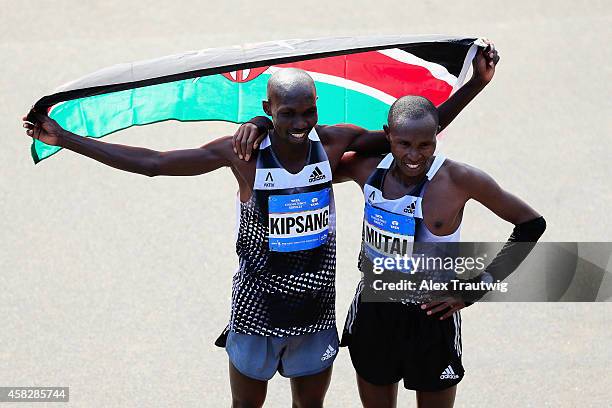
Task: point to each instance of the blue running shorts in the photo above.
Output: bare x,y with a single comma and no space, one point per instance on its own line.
259,357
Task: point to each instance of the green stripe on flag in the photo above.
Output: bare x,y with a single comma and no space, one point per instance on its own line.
201,99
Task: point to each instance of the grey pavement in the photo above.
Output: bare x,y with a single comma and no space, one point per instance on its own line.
117,285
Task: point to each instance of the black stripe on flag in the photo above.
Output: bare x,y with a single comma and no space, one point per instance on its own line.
442,52
448,54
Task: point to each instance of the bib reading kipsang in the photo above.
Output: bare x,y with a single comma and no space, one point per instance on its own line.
298,221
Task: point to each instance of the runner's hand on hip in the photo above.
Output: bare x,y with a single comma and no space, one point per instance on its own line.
451,303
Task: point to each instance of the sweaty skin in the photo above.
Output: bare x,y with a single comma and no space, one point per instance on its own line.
292,106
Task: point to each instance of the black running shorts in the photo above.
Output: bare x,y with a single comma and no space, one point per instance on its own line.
389,342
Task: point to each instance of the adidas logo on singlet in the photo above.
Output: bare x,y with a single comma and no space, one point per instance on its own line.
329,353
411,208
316,175
448,374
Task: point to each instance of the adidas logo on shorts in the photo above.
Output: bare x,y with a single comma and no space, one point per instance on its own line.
316,175
329,353
448,374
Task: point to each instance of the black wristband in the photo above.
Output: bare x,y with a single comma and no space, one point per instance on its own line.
529,231
519,245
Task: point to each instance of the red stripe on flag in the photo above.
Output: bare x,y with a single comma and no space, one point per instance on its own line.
378,71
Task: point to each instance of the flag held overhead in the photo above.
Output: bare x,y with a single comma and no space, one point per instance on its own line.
357,79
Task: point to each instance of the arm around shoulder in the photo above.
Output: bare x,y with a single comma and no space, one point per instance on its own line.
355,166
353,138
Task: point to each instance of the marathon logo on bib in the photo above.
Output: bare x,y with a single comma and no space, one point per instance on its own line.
298,221
386,234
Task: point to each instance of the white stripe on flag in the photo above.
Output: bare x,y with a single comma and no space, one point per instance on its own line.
466,66
437,70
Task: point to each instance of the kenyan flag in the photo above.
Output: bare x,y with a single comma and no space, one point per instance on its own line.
357,79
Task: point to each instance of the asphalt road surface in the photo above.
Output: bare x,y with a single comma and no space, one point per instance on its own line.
116,285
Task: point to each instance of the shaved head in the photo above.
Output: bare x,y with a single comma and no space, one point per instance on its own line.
292,103
411,132
290,81
409,108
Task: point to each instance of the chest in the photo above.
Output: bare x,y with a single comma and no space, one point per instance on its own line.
441,205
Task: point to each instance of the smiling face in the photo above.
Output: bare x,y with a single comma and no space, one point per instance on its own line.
413,144
292,103
412,130
294,114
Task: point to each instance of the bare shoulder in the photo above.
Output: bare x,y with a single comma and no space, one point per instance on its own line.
457,171
468,177
221,146
480,186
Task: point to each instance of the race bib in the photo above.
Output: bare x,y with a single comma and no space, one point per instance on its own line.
388,236
297,222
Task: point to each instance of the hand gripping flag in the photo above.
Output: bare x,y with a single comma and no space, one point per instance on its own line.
357,79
